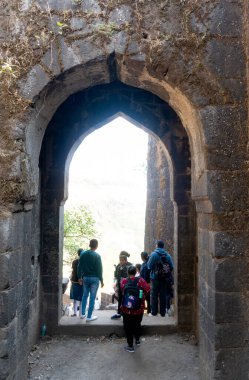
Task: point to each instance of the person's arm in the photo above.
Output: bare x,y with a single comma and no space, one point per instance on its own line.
144,285
122,283
151,262
100,270
79,271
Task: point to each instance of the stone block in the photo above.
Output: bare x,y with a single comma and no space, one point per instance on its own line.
185,283
225,59
232,363
231,275
68,55
227,191
4,271
90,6
234,89
224,244
230,308
222,124
55,5
3,348
50,284
36,80
121,15
16,264
50,59
207,298
225,19
206,355
4,368
78,23
185,318
207,324
86,51
8,305
182,197
25,5
231,335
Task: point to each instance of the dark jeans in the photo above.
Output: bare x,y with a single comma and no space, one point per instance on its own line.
120,297
159,290
147,299
132,326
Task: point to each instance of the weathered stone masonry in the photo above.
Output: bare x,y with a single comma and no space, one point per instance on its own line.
179,68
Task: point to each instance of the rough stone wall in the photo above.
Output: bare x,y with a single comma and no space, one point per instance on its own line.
194,56
159,219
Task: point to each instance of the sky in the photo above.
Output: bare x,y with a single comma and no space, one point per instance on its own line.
108,174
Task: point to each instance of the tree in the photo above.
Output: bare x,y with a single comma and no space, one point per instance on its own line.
79,228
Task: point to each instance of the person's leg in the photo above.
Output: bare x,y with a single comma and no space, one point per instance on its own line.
128,327
120,296
86,290
137,328
154,297
93,288
148,303
75,304
162,297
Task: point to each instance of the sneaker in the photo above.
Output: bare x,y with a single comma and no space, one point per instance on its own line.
82,316
116,316
129,349
138,342
92,318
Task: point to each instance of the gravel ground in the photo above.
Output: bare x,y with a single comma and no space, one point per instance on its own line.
171,357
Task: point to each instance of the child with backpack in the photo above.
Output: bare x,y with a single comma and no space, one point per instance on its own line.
134,290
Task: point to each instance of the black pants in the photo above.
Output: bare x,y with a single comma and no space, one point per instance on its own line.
161,290
120,297
132,326
147,298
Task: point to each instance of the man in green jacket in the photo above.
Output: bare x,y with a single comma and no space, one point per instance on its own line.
90,269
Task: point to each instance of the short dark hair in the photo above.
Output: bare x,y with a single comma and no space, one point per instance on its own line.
79,251
160,243
132,270
144,255
93,243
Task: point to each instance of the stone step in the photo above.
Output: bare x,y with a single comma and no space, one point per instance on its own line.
105,326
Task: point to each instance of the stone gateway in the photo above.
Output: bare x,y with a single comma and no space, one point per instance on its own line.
178,69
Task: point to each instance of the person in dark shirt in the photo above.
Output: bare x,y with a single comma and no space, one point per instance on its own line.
121,271
90,268
145,274
76,290
160,288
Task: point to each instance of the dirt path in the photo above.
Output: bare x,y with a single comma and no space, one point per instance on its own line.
170,357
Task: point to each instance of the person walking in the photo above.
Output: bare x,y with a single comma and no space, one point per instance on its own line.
134,290
161,283
90,269
76,290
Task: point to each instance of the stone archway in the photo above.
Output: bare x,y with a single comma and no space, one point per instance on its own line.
81,113
192,55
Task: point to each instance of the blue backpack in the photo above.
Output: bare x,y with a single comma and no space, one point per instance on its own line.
131,298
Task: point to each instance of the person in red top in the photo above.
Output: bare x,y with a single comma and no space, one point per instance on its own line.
133,313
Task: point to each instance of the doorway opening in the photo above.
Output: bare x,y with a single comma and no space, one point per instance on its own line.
108,182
